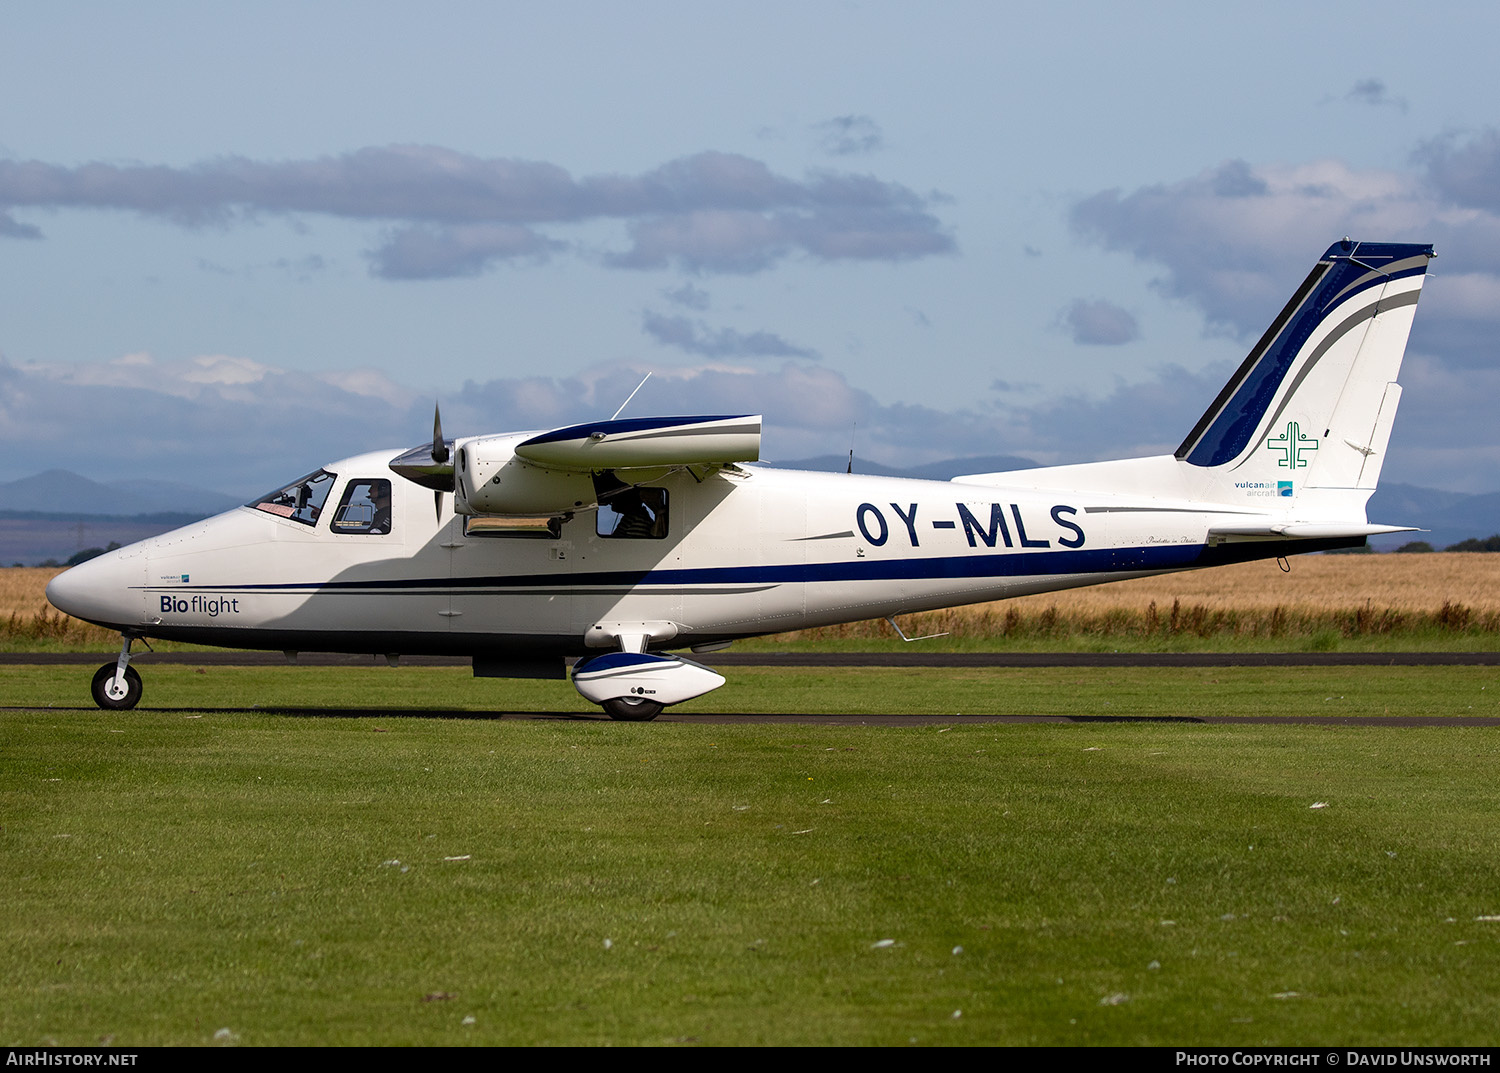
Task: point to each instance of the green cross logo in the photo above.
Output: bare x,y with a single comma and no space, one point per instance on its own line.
1292,443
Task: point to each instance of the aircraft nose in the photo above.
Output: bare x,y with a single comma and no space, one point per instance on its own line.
106,590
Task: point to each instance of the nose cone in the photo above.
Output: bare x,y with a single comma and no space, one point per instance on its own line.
107,590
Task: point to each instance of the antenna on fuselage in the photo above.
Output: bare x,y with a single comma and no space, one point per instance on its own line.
629,397
852,428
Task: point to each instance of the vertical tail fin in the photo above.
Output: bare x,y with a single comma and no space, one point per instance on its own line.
1308,414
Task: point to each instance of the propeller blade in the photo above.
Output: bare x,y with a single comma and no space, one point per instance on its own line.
429,465
439,445
437,502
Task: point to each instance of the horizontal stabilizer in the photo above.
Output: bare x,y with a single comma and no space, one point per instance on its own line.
1306,531
646,441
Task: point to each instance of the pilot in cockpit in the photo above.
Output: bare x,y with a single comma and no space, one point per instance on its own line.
380,523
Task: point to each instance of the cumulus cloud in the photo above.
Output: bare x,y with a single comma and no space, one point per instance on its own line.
847,135
428,252
10,227
215,421
740,241
455,214
696,337
1096,322
1372,91
688,296
241,426
727,240
1235,240
1464,169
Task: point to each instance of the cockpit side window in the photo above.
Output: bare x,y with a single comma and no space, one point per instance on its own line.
301,501
365,508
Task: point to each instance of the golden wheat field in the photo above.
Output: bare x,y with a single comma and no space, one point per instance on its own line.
1352,595
1314,582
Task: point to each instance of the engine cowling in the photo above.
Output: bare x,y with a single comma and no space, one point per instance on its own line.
489,478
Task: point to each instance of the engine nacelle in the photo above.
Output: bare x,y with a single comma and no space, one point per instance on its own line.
533,473
488,478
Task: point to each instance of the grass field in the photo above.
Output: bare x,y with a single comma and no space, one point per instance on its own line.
313,855
191,877
1326,602
1141,692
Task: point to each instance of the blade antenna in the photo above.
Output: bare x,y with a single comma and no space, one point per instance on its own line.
852,429
629,397
902,633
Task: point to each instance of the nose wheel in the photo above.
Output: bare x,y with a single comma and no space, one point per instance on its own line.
117,685
116,695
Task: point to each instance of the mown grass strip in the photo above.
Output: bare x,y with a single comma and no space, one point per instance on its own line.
1153,692
391,881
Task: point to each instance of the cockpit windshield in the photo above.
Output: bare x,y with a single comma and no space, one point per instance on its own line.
301,501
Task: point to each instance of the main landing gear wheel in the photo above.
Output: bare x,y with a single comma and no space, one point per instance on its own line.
108,695
632,709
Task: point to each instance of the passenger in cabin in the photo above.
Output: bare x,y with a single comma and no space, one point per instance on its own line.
635,517
633,513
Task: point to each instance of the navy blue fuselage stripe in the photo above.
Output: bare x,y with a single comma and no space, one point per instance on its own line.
938,568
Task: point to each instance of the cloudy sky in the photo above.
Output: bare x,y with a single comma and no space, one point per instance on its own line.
239,241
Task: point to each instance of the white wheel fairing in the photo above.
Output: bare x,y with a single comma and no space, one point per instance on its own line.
643,676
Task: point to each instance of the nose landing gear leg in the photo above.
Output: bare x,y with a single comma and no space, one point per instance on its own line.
117,685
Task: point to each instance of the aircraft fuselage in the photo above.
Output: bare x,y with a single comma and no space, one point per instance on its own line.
744,552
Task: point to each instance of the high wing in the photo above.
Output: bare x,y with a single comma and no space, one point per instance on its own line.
573,468
646,441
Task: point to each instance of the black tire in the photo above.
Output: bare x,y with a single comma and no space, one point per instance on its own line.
632,709
103,676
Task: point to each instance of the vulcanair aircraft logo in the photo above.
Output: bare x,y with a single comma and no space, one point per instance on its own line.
1292,444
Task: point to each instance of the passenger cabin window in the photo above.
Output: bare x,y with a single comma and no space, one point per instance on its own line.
301,501
365,508
542,528
634,513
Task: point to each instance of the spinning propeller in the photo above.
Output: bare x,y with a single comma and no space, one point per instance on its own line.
430,466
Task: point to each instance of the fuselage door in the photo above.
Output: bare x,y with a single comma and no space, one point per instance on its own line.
511,579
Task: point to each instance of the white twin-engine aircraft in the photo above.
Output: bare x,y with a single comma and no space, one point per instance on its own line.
623,541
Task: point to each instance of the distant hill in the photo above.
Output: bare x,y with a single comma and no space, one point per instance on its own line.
59,491
1451,516
54,514
30,538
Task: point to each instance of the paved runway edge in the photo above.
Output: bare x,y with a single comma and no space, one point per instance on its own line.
832,659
